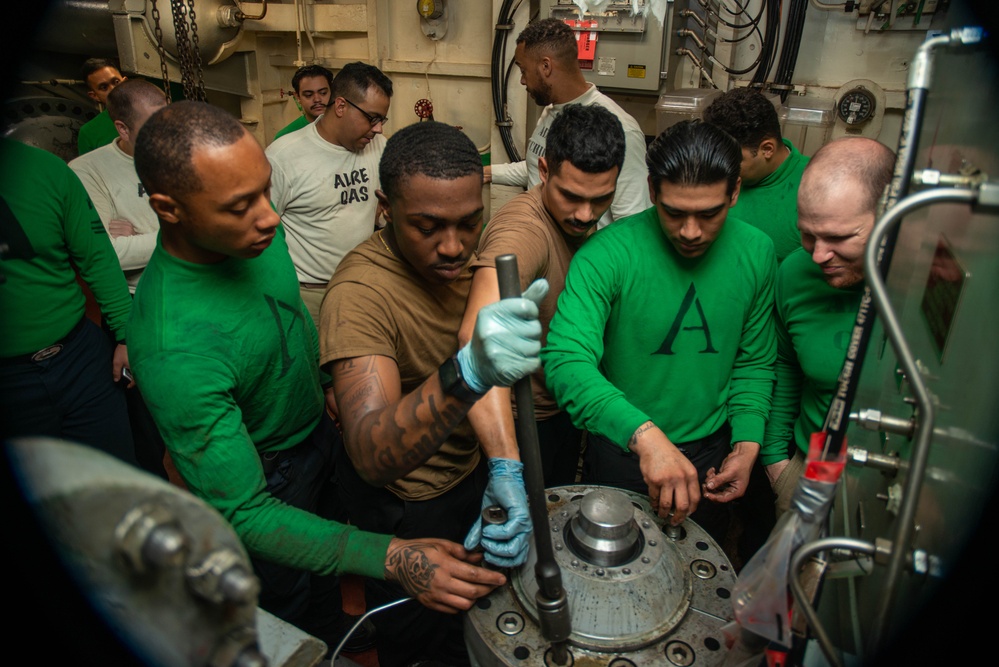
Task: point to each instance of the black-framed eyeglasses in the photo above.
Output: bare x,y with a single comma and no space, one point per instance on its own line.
373,118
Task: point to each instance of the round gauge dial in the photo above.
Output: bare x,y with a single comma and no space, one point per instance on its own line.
856,106
430,9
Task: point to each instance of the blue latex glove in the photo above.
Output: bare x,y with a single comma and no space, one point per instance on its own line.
506,544
506,343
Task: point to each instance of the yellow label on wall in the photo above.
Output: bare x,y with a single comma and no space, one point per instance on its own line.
636,71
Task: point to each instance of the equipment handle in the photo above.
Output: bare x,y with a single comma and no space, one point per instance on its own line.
553,609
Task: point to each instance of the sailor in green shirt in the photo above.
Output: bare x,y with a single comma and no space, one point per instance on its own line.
662,346
57,368
227,359
819,288
771,166
101,76
312,85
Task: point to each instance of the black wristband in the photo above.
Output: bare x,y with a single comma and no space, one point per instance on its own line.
453,383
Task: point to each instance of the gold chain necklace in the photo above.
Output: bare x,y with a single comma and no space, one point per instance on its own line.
382,239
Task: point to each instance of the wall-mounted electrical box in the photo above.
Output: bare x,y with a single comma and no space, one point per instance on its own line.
621,47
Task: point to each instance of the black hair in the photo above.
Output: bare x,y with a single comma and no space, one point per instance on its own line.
431,148
587,136
164,147
309,71
129,95
352,82
91,65
747,115
693,152
551,36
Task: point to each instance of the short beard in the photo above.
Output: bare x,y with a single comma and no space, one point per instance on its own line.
543,97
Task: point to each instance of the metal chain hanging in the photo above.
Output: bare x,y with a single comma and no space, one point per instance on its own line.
187,52
200,80
159,48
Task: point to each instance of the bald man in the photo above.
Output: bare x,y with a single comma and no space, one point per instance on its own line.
818,292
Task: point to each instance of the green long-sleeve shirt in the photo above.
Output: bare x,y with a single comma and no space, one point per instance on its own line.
296,124
96,132
49,224
642,333
772,204
226,356
814,323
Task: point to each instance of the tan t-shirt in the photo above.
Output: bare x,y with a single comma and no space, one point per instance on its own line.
377,305
524,228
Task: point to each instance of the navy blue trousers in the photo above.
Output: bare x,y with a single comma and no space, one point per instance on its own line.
559,443
410,631
302,476
71,396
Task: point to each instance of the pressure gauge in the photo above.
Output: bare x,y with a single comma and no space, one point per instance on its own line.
856,106
430,9
433,17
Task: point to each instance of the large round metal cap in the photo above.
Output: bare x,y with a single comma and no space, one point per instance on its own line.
633,588
605,531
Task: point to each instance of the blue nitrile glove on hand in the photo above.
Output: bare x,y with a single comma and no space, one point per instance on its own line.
505,544
506,343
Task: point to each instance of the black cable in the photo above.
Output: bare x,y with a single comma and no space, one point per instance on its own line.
835,425
791,47
752,21
739,71
504,24
710,56
755,29
742,10
776,10
719,38
754,24
506,77
773,11
799,31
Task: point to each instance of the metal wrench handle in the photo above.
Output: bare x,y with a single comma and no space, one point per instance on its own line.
552,606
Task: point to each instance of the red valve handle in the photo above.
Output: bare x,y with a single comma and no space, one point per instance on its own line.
424,109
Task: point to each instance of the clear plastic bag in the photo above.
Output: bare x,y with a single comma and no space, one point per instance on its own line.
762,597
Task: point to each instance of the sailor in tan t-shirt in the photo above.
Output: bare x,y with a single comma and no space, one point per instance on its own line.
411,464
544,227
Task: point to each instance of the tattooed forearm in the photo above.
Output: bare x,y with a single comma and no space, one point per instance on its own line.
410,567
388,435
444,421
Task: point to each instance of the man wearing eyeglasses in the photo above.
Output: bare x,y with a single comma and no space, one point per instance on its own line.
324,177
